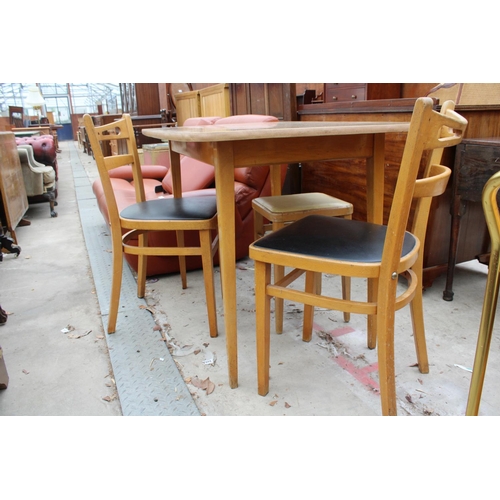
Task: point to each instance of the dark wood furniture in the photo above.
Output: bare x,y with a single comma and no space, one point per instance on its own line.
345,178
476,160
338,92
12,190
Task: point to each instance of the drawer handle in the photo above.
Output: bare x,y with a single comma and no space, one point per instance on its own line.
354,97
334,98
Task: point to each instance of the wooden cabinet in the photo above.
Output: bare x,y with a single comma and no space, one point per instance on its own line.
14,201
341,92
476,160
214,100
140,98
276,99
346,179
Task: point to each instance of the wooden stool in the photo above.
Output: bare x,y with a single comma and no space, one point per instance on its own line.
282,210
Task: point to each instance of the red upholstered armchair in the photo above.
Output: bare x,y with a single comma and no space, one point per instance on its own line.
44,149
197,180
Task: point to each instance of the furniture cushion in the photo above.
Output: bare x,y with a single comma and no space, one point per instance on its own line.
148,172
246,119
200,121
194,175
333,238
307,201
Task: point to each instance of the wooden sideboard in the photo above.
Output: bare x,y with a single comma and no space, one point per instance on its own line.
346,178
476,160
12,189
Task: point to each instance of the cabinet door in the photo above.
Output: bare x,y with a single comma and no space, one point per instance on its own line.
275,99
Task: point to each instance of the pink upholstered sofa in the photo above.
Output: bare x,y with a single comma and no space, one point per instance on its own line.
197,180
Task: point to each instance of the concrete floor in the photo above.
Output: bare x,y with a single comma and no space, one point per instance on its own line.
50,286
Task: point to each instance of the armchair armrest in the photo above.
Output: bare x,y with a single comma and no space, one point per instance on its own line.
38,178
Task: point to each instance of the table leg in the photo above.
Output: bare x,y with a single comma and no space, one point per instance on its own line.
375,181
224,182
374,213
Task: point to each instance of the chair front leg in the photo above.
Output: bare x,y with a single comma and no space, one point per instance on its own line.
116,280
263,324
385,331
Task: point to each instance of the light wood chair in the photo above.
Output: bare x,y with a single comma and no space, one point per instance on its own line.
130,226
284,209
425,190
492,216
317,244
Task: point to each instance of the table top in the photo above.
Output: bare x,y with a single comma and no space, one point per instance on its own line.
272,130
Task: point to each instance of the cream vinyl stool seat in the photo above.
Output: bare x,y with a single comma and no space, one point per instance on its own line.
317,245
130,226
282,210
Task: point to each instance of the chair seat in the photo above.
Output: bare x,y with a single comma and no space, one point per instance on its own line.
333,238
189,208
303,202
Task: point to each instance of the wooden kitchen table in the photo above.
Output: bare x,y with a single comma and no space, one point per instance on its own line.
272,143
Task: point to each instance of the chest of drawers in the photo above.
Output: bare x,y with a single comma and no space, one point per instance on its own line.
476,160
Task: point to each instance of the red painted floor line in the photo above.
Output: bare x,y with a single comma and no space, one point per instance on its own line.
337,332
360,374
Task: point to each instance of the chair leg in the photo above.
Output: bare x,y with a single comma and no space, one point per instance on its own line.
116,283
371,322
263,324
385,330
417,318
346,286
142,263
313,285
346,295
279,272
182,259
258,225
208,278
485,334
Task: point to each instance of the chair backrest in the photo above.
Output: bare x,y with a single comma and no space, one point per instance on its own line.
119,130
425,134
434,180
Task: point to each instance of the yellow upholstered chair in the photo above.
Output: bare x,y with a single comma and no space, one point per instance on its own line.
317,244
282,210
492,216
130,226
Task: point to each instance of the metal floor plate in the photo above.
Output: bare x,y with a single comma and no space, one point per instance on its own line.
147,379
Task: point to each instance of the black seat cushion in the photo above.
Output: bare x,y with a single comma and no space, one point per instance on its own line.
332,238
191,208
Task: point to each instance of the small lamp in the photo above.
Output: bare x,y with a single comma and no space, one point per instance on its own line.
35,100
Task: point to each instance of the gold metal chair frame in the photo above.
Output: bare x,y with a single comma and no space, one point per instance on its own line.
492,216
